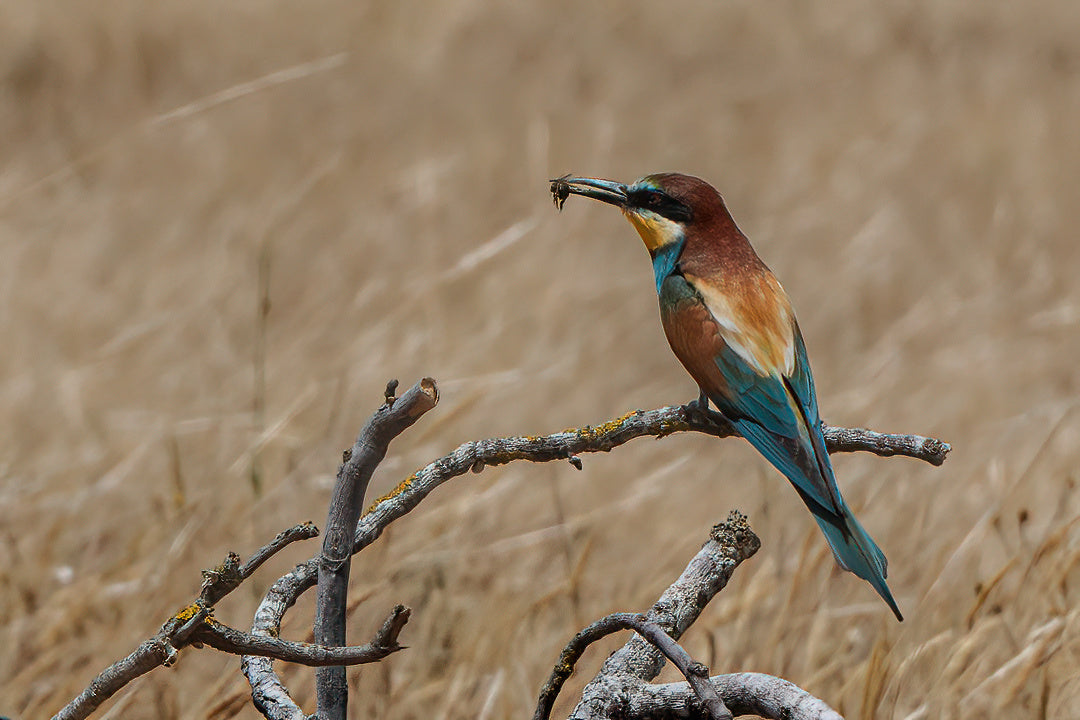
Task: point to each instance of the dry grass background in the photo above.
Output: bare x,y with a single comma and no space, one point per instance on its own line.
910,171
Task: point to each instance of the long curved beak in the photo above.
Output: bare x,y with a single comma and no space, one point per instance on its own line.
607,191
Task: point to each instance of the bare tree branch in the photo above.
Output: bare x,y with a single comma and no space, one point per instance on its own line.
270,695
931,450
638,660
569,444
708,572
766,696
696,674
152,653
393,418
621,689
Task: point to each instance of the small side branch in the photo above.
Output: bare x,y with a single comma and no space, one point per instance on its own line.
637,662
233,641
929,449
225,578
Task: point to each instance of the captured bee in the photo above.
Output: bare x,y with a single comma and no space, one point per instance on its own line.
560,190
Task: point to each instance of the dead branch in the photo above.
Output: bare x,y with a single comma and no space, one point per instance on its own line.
225,578
621,689
567,445
696,674
270,695
931,450
393,418
637,662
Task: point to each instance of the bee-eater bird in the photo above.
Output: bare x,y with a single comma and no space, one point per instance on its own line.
731,325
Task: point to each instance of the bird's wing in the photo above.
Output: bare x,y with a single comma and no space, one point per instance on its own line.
759,375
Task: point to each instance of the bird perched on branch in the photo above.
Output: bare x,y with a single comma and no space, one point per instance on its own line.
732,327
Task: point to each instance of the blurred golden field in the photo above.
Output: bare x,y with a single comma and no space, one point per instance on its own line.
379,172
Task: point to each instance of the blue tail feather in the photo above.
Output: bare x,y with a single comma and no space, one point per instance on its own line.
853,548
857,552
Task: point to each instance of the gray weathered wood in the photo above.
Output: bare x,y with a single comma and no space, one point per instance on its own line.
393,418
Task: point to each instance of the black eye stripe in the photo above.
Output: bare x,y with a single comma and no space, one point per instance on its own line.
660,203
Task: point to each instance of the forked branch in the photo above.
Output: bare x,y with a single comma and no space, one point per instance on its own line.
696,674
194,625
621,689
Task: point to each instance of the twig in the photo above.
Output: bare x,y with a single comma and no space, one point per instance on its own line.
225,578
233,641
393,418
695,673
303,531
929,449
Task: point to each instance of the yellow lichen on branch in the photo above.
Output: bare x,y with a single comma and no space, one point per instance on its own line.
400,488
186,613
591,433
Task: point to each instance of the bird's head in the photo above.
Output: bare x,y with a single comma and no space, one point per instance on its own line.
663,208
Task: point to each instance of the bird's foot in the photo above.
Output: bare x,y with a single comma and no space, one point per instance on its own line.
699,408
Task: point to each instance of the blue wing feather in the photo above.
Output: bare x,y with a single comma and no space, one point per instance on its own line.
781,424
778,415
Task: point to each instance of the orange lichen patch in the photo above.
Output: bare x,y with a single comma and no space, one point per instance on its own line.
590,432
188,612
185,614
401,487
